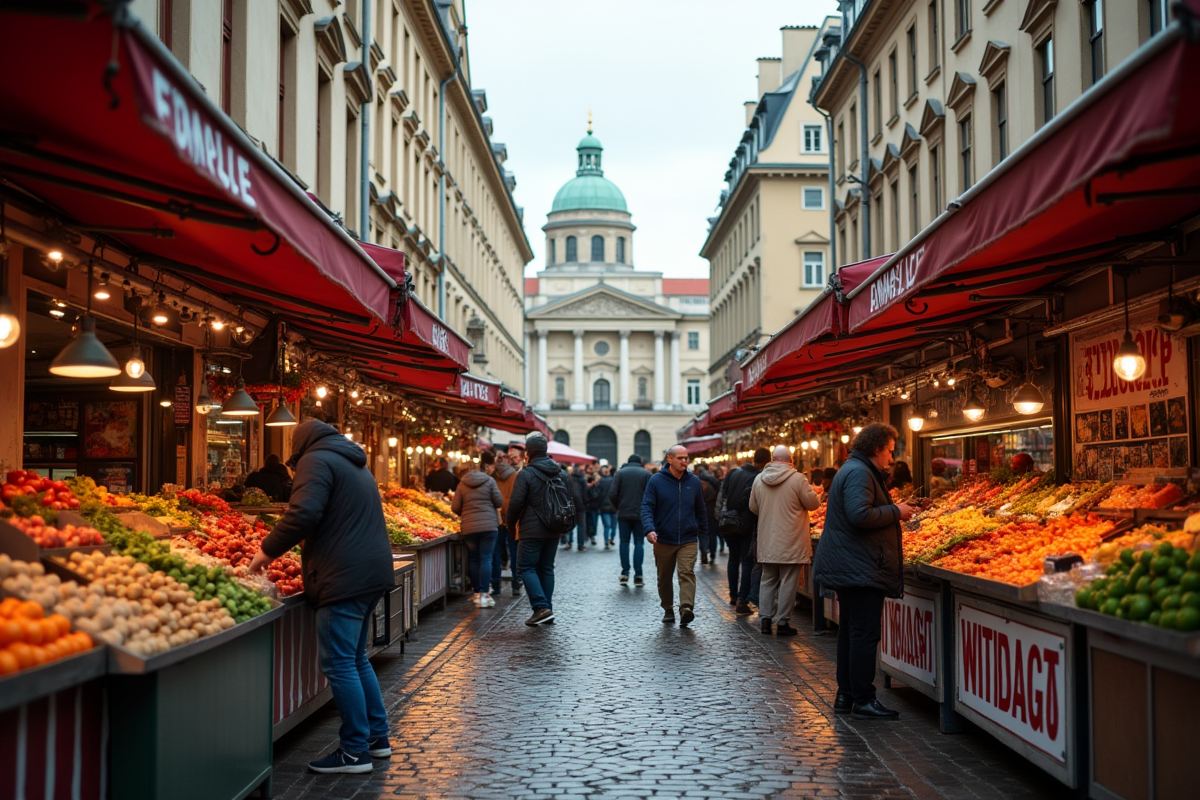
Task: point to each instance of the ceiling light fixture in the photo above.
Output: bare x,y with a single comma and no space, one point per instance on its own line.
85,356
102,292
915,420
1028,398
1129,363
161,314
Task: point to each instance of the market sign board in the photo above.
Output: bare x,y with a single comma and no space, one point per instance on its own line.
908,645
1120,427
1013,679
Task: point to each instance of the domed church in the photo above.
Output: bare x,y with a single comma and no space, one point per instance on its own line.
615,356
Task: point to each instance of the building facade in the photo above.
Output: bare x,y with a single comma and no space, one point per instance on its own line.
768,247
927,96
617,356
301,78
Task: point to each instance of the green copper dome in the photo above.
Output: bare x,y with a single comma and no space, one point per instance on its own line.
589,190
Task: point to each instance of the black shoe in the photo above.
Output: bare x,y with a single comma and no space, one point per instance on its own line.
637,581
540,617
624,580
743,609
582,549
873,710
783,629
704,558
669,618
516,591
733,601
379,748
686,615
842,704
341,761
764,625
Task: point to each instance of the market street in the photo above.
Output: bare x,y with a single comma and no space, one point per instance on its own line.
609,702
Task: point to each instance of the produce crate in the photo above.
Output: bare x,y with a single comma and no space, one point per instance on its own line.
65,673
989,588
15,543
139,521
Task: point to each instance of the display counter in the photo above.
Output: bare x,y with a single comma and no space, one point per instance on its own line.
432,561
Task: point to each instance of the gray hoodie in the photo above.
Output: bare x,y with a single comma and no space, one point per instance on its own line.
476,501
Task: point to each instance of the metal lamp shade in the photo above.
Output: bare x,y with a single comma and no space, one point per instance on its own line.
973,410
280,417
1028,400
85,356
240,403
124,383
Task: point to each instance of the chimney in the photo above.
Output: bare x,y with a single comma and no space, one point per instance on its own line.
797,43
750,106
768,75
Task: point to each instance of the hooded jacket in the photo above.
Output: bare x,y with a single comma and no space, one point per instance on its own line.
674,508
505,475
441,480
782,497
738,484
607,506
528,494
628,487
335,510
860,543
476,503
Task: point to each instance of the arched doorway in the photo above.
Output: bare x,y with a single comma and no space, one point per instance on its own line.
641,446
602,443
562,437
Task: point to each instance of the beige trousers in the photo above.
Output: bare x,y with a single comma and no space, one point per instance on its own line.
666,558
777,592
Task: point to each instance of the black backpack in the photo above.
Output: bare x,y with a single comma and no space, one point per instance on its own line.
558,508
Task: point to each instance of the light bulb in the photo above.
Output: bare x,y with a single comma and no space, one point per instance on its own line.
791,448
438,451
57,313
354,394
904,395
408,450
135,367
1028,400
804,445
1129,363
973,414
165,403
55,255
814,444
392,440
101,292
915,423
318,404
845,438
936,383
857,429
217,324
949,381
10,325
321,392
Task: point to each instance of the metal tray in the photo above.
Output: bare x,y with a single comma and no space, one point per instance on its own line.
418,547
1186,644
983,586
30,684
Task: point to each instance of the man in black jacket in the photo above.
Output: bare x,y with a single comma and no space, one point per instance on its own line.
738,484
626,493
273,478
440,479
347,561
608,511
710,488
536,544
861,557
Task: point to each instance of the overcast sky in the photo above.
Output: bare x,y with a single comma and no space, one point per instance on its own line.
665,80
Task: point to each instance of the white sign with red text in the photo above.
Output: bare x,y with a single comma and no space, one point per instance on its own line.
909,637
1095,384
1014,675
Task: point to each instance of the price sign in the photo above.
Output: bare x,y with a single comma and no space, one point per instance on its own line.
183,406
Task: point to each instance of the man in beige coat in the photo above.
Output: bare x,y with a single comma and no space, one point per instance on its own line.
781,497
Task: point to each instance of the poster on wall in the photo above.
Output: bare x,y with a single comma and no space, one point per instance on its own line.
118,477
1120,427
60,416
110,429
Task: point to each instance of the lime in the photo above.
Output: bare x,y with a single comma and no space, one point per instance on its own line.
1187,620
1143,584
1154,617
1122,614
1176,573
1127,556
1190,582
1171,602
1100,584
1167,620
1115,568
1119,588
1181,556
1158,584
1141,607
1194,562
1162,565
1083,598
1145,557
1190,600
1125,601
1138,572
1111,606
1165,549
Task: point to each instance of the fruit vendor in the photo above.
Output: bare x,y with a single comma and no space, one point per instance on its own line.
347,565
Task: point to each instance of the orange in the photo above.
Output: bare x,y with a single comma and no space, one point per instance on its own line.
10,632
54,651
84,639
23,653
9,606
39,655
63,624
31,610
8,663
32,632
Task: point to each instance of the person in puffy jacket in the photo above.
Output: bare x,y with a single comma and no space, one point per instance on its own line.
537,544
781,497
347,561
862,559
477,502
740,566
673,517
608,511
505,474
625,495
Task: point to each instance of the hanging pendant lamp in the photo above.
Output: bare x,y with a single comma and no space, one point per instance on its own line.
134,378
973,409
85,356
279,418
1129,363
240,403
1028,398
10,324
916,421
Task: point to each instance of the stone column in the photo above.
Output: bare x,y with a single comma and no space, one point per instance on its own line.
676,380
527,389
624,404
543,397
580,402
660,372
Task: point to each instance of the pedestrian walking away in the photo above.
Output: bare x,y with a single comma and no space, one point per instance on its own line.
477,502
781,498
674,518
860,557
711,490
505,474
628,488
608,511
347,562
577,485
537,542
740,566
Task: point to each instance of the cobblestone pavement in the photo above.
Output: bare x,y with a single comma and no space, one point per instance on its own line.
609,702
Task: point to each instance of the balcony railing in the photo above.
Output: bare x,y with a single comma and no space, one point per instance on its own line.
642,404
560,404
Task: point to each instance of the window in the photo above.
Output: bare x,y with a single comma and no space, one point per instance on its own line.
693,340
1095,22
935,175
895,201
964,149
597,248
854,240
560,388
641,446
877,228
841,148
641,387
1158,15
895,77
935,46
814,198
912,60
814,270
878,103
551,260
853,134
600,348
812,139
165,15
227,56
1045,57
572,250
287,102
562,437
962,18
620,249
1000,104
842,245
693,391
914,201
601,395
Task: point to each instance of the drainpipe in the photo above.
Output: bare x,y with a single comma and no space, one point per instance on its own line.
832,189
364,160
864,157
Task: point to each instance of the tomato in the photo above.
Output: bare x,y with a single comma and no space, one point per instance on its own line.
9,491
15,477
73,502
28,489
60,486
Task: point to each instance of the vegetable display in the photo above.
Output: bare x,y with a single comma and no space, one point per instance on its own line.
1159,586
49,537
28,637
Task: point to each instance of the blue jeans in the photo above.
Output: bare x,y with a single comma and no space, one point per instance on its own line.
505,540
592,518
342,639
609,521
536,559
479,558
632,529
739,566
581,533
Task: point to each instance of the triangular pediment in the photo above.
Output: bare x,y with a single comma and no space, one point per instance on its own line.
932,117
812,237
962,92
641,371
602,365
602,302
910,145
875,173
995,56
694,372
891,159
559,370
1037,14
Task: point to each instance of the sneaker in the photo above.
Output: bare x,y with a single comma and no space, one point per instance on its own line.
669,617
592,540
516,591
686,615
341,761
488,602
379,748
764,625
743,609
540,617
566,547
637,581
733,601
477,599
784,629
624,579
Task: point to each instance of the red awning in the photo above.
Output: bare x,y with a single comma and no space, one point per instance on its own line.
1118,165
144,148
702,444
565,455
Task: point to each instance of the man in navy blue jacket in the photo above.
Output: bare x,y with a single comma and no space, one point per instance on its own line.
674,517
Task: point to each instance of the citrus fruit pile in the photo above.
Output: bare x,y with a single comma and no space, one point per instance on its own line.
28,638
1149,496
933,537
1159,587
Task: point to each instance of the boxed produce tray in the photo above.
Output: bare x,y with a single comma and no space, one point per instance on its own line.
27,540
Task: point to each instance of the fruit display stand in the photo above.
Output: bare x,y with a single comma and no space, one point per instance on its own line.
432,560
